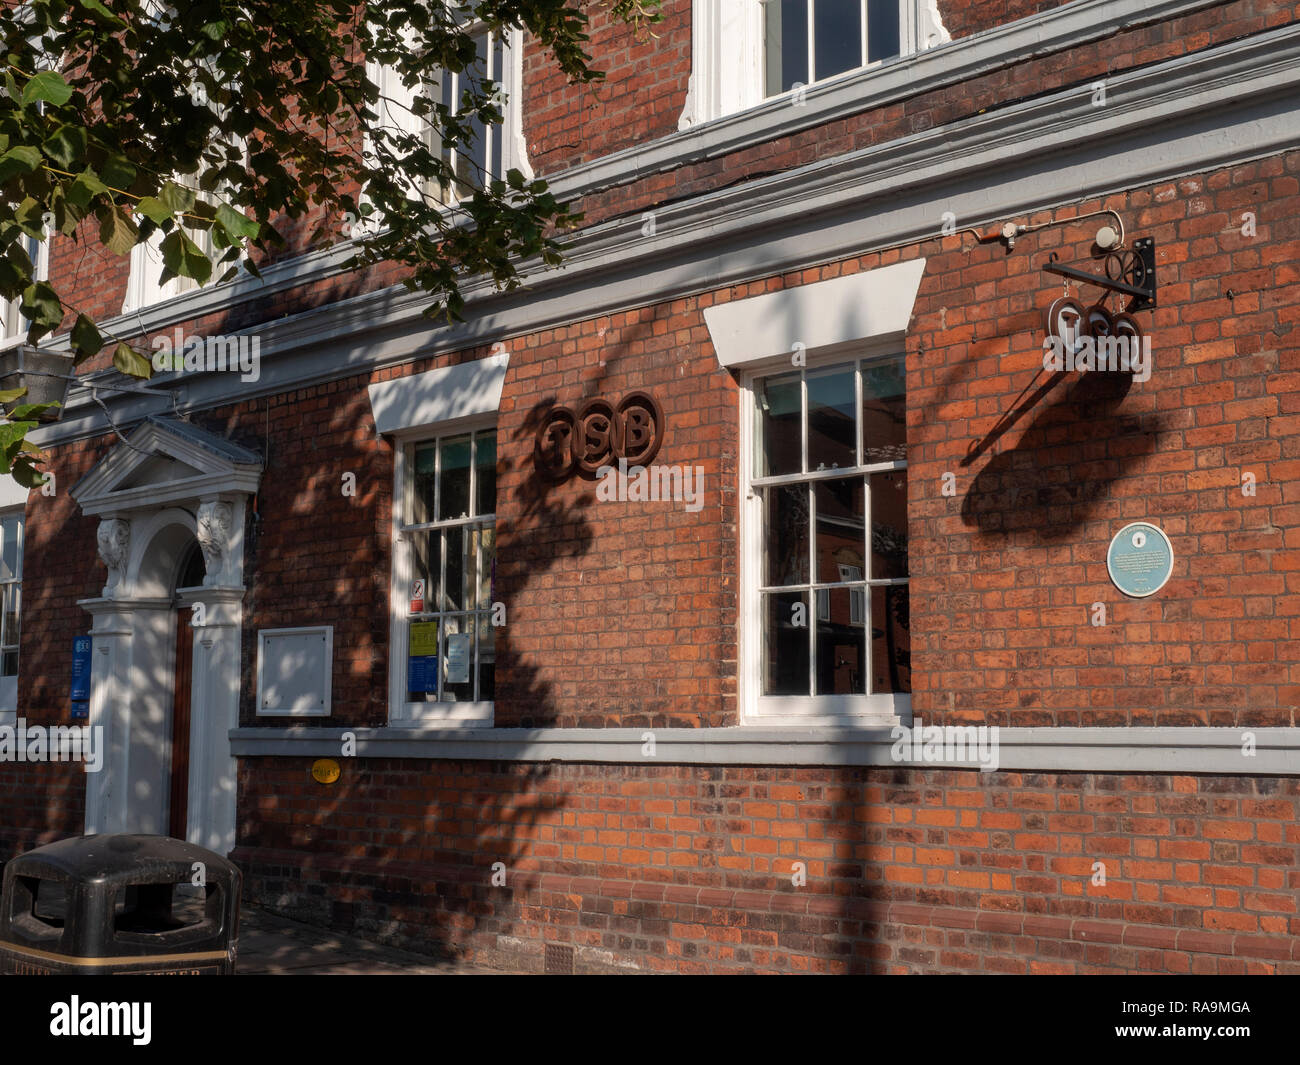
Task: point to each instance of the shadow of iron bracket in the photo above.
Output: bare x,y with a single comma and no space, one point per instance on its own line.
1135,273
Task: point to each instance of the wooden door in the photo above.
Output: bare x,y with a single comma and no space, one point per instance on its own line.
180,767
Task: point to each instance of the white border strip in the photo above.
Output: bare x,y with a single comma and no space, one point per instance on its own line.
1124,750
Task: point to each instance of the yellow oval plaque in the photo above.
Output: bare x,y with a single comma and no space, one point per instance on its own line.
325,770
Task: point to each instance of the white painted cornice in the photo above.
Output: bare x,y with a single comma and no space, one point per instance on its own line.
1094,750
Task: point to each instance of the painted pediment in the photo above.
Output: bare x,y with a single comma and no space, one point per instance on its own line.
166,461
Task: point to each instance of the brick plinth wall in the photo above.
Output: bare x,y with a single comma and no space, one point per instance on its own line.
690,869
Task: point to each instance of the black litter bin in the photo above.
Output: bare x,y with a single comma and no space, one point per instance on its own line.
119,904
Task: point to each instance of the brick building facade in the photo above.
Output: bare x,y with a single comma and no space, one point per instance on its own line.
624,762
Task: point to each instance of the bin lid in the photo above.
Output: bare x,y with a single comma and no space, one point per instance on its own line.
119,858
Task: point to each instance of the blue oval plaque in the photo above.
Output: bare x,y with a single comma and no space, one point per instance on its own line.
1140,559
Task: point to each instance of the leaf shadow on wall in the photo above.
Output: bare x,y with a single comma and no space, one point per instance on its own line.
550,528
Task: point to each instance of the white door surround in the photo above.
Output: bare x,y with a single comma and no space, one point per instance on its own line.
168,485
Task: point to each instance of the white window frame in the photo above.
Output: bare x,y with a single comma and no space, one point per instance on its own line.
9,685
880,708
401,713
13,326
727,59
145,287
395,110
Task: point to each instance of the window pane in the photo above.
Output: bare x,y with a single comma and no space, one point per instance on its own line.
453,591
458,659
785,534
471,155
422,485
485,472
841,518
883,37
891,642
780,425
497,74
484,548
841,647
426,565
884,413
422,661
785,643
9,668
837,37
453,485
786,44
13,614
486,659
889,525
9,557
832,427
8,623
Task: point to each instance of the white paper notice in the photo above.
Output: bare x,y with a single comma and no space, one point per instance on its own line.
458,654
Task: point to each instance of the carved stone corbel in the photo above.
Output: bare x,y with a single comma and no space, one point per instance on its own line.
114,539
212,530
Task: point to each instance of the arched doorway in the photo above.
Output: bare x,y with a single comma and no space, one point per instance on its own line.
166,631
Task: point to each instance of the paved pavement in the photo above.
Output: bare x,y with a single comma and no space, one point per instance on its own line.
276,946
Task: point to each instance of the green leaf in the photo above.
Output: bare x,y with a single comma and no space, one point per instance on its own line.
66,146
12,395
176,197
99,9
236,224
86,188
116,230
130,361
183,258
40,304
30,410
85,336
26,474
153,209
30,216
21,159
117,172
49,86
12,437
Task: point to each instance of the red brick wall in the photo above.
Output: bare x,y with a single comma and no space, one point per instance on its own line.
625,613
689,869
1004,573
619,614
640,98
42,803
961,18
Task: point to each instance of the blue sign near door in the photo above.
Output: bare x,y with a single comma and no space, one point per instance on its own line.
79,693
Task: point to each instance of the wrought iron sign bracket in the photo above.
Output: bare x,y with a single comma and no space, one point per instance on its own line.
1129,272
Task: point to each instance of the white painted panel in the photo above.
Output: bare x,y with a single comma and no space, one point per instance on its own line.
868,306
427,399
293,671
